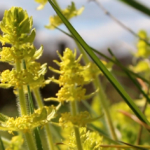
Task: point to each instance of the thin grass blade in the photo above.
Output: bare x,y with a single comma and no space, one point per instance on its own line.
137,5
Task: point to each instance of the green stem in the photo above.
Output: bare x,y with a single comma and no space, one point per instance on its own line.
23,110
76,129
30,140
37,95
40,104
103,100
21,96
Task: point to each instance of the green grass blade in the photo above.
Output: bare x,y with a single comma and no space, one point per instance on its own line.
138,6
108,58
132,78
1,144
109,76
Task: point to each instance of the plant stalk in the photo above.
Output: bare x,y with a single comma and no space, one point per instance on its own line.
47,129
76,129
22,104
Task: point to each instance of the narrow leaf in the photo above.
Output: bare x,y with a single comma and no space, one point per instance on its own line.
137,5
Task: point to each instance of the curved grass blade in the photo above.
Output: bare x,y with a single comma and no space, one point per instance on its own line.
109,76
129,75
138,6
108,58
136,146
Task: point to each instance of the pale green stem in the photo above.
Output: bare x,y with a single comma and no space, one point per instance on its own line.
22,103
38,98
21,96
40,104
76,129
103,99
30,140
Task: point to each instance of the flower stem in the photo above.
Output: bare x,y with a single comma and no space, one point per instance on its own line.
21,96
40,104
103,100
30,140
76,129
22,103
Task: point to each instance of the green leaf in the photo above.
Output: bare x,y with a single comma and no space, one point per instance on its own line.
1,144
138,6
3,117
97,61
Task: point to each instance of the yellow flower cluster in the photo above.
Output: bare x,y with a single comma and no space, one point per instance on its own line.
90,140
33,76
142,46
17,30
27,122
16,27
69,13
72,77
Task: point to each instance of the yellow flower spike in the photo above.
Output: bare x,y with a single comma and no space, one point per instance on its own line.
69,13
40,117
72,77
16,27
90,140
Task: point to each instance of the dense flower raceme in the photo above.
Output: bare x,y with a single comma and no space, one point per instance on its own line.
40,117
72,77
17,30
16,27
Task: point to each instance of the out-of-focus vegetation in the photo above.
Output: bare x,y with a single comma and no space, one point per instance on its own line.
54,100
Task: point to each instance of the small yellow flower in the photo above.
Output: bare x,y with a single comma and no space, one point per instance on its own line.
142,46
42,4
69,13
